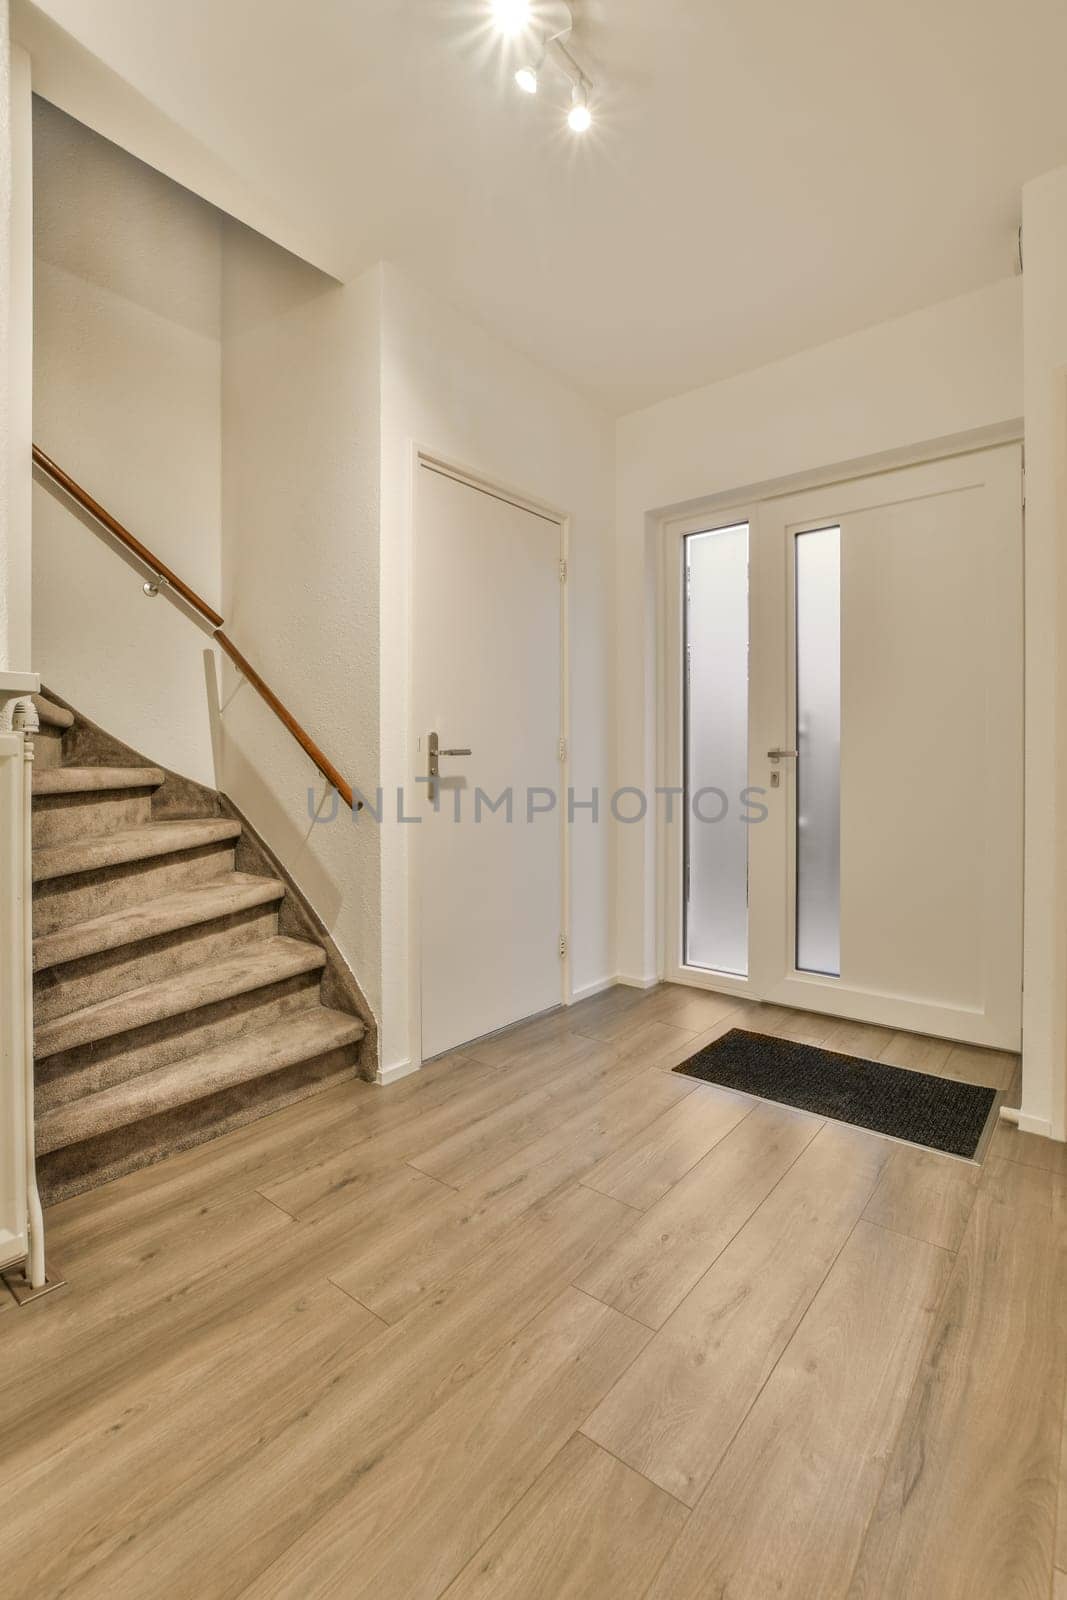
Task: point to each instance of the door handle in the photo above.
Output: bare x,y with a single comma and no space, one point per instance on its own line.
779,755
434,771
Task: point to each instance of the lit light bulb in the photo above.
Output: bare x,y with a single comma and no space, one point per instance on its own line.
526,78
579,117
511,16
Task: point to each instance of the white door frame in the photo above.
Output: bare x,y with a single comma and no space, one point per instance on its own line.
422,458
724,510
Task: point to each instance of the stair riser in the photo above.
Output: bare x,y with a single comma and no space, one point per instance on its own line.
71,1171
60,818
89,979
48,748
107,1062
58,902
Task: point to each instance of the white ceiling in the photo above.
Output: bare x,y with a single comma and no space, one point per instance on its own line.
763,175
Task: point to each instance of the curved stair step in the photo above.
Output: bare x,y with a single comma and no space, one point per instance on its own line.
88,780
132,844
253,1055
268,961
171,912
52,716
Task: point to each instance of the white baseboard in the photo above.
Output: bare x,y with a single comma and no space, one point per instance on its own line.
1039,1125
601,984
398,1070
589,989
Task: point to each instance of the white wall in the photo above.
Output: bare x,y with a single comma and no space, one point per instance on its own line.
16,593
451,389
15,353
945,371
127,398
72,77
1044,1099
300,426
8,556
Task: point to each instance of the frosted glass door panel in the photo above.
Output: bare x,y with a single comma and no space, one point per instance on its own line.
716,749
818,679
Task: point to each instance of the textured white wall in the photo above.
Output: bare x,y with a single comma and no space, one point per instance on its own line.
14,349
451,389
300,426
939,372
19,525
7,577
70,75
127,398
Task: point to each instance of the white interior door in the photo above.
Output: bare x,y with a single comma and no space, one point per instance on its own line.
883,660
488,684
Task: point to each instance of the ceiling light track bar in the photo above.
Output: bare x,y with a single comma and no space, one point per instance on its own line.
569,63
513,16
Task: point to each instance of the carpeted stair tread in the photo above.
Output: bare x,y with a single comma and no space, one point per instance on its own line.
253,1055
133,844
170,1008
236,892
267,961
52,716
88,780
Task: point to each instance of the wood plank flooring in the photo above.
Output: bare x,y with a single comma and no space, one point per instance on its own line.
548,1319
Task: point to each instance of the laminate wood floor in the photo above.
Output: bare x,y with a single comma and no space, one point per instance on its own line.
546,1319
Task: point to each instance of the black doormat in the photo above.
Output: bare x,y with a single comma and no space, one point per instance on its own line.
937,1112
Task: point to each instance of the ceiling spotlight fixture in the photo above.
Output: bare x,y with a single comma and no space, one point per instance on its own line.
555,28
511,16
528,76
579,117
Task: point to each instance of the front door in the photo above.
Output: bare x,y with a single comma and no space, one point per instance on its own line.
488,679
851,681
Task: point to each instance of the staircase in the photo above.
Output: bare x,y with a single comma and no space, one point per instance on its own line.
179,979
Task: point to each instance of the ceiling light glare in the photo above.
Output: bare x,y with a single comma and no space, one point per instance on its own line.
526,78
511,16
579,117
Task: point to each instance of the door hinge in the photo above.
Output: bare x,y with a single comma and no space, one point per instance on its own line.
562,572
563,947
563,749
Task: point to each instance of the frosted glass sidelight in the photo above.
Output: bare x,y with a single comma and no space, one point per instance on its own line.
818,627
716,749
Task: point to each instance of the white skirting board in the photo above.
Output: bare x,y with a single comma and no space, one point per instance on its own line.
616,980
1026,1123
396,1071
588,990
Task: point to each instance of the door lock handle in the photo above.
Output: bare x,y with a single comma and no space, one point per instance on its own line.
434,766
780,755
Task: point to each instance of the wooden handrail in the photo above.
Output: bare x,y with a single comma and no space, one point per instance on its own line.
123,535
247,671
